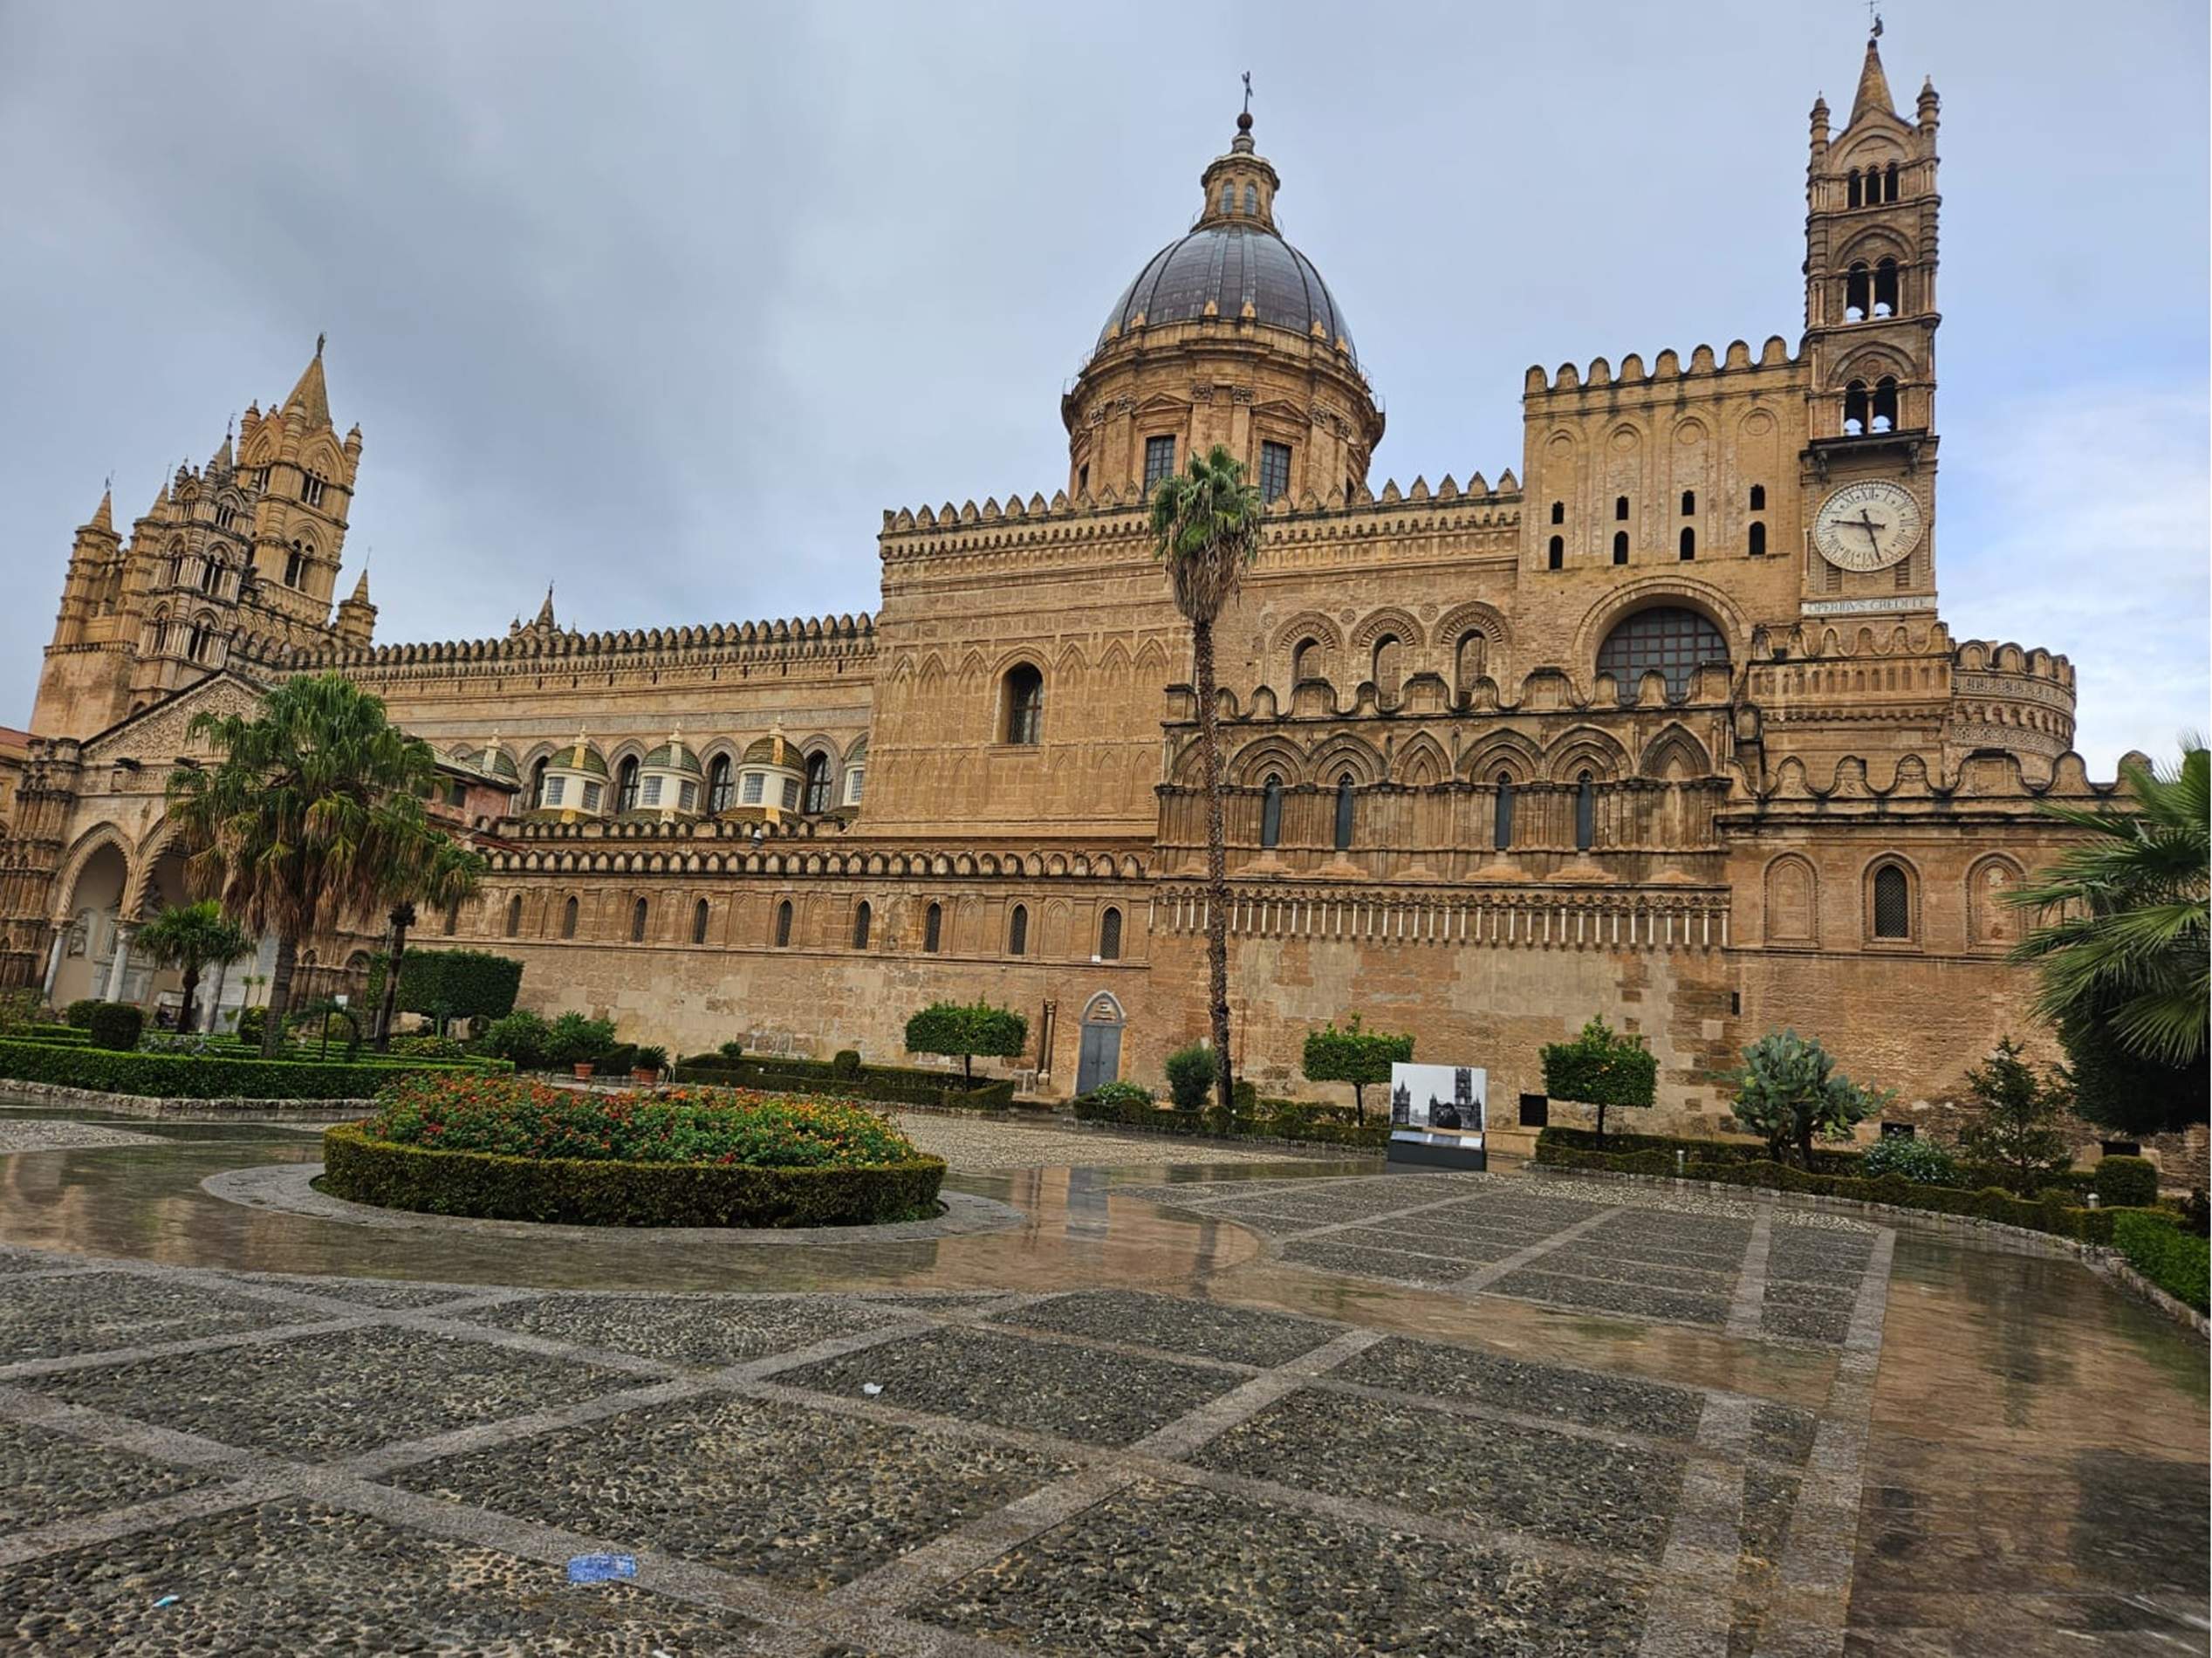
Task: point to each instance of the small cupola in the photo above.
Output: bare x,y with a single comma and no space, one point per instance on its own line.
1239,187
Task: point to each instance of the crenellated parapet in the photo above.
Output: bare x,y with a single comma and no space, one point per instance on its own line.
1902,788
780,640
1662,376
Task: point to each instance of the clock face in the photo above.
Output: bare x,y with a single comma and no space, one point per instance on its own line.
1867,527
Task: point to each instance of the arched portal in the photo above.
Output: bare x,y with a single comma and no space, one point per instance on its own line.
91,929
1098,1061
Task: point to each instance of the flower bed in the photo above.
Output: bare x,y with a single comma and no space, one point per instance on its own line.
508,1149
235,1074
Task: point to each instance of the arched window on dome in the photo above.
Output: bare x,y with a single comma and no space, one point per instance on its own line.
1252,199
1670,639
1228,198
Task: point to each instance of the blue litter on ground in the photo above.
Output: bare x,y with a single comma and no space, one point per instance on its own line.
597,1568
166,1600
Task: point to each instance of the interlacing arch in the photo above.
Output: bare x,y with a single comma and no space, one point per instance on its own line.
1324,634
1586,749
1675,747
1344,754
1399,624
1250,767
1422,762
1506,751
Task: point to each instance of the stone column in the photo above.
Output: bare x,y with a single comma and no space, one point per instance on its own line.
206,1022
119,963
53,960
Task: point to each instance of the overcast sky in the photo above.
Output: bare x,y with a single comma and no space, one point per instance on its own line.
667,303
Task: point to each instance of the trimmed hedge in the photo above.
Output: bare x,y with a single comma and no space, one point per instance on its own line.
884,1085
574,1191
2127,1183
79,1013
185,1076
2178,1262
2054,1212
1129,1106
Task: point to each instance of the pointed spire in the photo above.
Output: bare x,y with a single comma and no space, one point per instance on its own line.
222,460
360,588
310,396
545,609
1873,85
103,519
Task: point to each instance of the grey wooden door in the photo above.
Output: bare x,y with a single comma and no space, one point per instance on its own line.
1100,1060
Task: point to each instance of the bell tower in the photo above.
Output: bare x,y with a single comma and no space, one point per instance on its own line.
1869,465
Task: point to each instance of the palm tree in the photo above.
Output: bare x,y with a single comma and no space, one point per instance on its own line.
451,875
1206,528
193,936
2124,945
312,819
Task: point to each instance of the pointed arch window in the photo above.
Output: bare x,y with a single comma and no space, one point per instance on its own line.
863,921
1854,189
638,915
817,784
1271,812
721,788
1621,546
1389,658
295,565
1586,812
1501,813
625,786
1344,812
1892,903
1110,934
568,919
1889,182
1884,289
1857,296
1555,556
210,575
784,925
1305,660
1024,701
1017,931
933,929
1854,409
514,915
700,915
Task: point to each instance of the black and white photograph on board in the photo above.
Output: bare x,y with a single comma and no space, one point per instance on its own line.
1440,1098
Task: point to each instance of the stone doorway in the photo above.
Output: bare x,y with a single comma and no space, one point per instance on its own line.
1098,1060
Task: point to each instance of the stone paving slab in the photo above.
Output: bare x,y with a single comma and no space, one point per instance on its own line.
46,1476
289,1576
367,1292
1472,1376
94,1311
1050,1387
1443,1244
21,1134
1337,1253
1159,1569
755,1486
694,1330
1462,1468
334,1394
1610,1296
1204,1329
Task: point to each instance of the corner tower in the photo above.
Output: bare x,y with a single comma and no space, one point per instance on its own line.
1228,335
1871,209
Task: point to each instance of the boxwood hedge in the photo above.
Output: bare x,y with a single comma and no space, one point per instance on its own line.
884,1085
601,1192
2178,1262
186,1076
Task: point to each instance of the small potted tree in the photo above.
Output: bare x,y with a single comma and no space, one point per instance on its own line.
578,1042
651,1060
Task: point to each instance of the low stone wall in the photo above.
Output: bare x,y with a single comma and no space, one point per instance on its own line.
2107,1263
138,1104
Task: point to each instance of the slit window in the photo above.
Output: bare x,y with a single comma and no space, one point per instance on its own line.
1621,546
638,915
863,918
1555,556
1017,931
1271,813
783,924
1110,935
933,929
1585,812
1343,814
568,919
1688,543
514,915
698,916
1501,813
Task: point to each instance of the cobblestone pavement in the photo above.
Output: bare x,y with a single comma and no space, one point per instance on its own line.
1438,1415
32,1135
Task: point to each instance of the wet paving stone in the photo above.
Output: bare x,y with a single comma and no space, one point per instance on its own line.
289,1576
1204,1329
1161,1570
1824,1297
1474,1251
1818,1253
96,1312
704,1331
1468,1375
1583,1263
1805,1324
1770,1498
13,1260
1462,1468
335,1394
1784,1434
45,1477
1644,1300
770,1489
1339,1254
1052,1387
370,1292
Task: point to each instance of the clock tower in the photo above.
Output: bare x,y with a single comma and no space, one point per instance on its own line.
1868,470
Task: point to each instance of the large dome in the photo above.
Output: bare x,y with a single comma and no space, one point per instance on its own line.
1229,266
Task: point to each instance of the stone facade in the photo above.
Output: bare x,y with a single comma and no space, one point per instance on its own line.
1669,727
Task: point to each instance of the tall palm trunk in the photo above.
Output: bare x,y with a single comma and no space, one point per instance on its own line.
402,917
191,989
1209,747
272,1028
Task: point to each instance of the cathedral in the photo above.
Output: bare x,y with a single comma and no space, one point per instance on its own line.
1666,725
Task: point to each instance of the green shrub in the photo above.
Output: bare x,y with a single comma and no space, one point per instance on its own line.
619,1192
80,1013
1919,1160
732,1050
225,1071
116,1025
451,984
1789,1093
1191,1072
2018,1128
1128,1102
574,1039
1598,1068
523,1036
885,1084
2129,1182
650,1057
845,1063
251,1022
2175,1260
962,1030
1355,1055
426,1046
